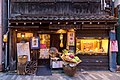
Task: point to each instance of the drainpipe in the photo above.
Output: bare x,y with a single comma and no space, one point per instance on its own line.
0,35
6,45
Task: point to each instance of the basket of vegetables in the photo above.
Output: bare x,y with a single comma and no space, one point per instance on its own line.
70,62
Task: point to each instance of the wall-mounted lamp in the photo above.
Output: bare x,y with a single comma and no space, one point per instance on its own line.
40,23
58,22
50,22
5,38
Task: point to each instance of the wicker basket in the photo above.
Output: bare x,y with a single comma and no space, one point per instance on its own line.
70,71
20,68
22,59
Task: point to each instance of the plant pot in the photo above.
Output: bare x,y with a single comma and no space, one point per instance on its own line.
68,70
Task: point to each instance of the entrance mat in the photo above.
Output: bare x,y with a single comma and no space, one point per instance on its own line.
43,71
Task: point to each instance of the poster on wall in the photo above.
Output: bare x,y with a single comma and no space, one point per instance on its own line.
114,46
23,49
35,43
71,38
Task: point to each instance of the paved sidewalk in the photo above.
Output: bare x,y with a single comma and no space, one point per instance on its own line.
86,75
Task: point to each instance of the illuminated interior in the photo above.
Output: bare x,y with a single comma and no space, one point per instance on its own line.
45,40
91,46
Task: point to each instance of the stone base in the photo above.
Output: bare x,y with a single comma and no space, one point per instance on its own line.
118,68
0,67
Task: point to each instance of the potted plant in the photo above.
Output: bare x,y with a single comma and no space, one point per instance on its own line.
70,62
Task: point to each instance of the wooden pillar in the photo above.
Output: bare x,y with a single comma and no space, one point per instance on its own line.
118,36
0,35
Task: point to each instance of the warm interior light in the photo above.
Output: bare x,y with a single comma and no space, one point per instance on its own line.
61,40
61,31
92,45
22,35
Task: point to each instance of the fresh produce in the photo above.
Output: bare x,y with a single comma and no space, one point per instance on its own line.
70,57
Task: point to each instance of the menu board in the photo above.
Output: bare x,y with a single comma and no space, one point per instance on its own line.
57,64
23,49
44,53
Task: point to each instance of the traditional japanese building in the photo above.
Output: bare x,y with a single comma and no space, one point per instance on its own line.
89,22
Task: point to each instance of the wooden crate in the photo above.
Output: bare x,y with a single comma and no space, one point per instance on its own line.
21,68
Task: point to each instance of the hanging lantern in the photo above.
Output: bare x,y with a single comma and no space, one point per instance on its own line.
61,40
61,31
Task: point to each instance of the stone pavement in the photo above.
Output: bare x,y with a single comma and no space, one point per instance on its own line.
86,75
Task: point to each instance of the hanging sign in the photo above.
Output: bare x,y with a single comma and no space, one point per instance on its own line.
71,38
35,43
114,46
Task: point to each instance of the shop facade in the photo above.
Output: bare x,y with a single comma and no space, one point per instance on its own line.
54,25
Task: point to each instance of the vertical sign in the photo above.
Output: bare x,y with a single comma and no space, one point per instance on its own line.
114,46
71,38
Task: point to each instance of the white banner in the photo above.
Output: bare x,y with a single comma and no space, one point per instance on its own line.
23,49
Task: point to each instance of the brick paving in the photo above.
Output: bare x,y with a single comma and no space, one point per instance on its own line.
86,75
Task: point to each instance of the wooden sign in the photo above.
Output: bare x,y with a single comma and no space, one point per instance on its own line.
71,38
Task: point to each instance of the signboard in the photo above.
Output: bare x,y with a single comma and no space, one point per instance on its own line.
114,46
44,54
71,38
35,43
23,49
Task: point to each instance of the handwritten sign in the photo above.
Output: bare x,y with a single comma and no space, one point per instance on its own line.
71,38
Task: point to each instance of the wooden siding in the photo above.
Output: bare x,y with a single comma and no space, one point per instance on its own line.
55,0
94,62
92,33
57,8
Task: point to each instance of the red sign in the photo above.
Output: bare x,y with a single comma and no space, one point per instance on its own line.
113,46
42,46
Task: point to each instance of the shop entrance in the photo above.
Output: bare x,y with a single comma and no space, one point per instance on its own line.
43,54
46,42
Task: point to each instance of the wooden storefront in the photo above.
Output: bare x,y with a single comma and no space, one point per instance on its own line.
47,17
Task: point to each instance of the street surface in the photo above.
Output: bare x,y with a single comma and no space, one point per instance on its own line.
86,75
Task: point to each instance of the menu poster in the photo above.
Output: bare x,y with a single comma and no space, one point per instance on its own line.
23,49
35,43
114,46
44,54
71,38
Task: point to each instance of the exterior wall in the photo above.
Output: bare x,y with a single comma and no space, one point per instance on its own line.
61,8
0,35
22,8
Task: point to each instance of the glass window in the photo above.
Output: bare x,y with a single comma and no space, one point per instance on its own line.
44,40
92,46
